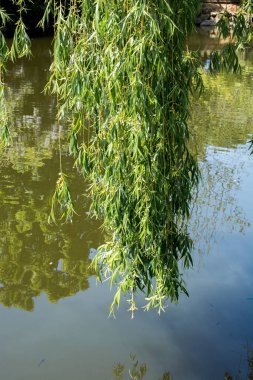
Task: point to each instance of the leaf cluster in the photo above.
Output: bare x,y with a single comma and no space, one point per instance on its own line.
61,204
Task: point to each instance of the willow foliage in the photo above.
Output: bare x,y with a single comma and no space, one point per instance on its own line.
121,70
123,74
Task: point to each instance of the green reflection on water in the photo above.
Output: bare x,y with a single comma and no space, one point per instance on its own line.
222,116
136,371
36,257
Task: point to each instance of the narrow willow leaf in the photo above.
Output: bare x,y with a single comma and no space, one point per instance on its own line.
4,50
4,17
49,10
5,135
21,44
62,207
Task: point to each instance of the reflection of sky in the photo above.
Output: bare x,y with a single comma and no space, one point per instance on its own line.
219,209
219,313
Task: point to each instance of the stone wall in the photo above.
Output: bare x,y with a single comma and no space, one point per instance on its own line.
211,10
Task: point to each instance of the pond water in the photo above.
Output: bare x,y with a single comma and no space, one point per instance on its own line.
54,321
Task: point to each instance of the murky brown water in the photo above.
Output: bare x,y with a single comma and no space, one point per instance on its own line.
53,315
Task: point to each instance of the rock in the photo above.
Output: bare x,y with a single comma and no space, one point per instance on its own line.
208,23
208,8
201,18
213,15
231,8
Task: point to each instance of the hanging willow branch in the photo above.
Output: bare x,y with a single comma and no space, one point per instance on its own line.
62,207
122,69
4,52
5,136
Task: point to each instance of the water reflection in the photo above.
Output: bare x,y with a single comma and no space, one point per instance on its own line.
216,199
221,125
136,371
249,371
223,115
197,339
34,136
36,257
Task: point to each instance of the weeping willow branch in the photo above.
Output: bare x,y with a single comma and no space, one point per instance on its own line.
123,71
4,52
5,136
62,207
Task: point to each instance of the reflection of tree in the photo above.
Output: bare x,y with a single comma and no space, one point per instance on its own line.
30,112
222,116
137,371
239,376
216,206
36,257
221,120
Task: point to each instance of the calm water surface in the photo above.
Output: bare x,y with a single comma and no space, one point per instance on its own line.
54,321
